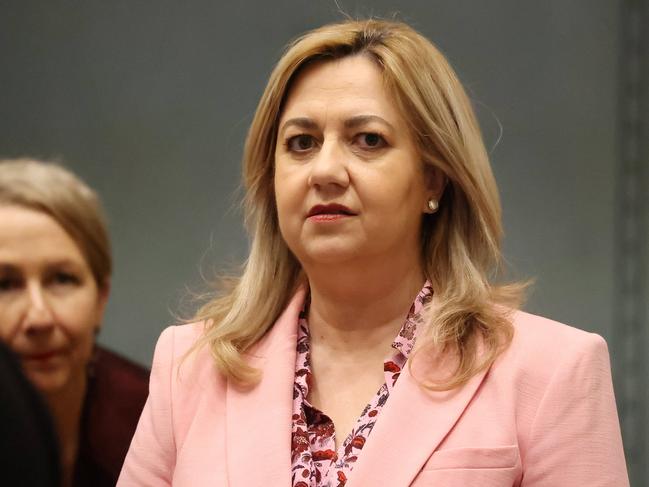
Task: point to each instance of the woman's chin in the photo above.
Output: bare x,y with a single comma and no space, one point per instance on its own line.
330,255
49,381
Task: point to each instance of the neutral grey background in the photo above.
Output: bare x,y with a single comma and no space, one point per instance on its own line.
150,101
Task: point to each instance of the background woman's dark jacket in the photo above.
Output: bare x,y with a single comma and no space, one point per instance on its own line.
117,391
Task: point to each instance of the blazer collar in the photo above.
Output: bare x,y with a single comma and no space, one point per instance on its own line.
258,419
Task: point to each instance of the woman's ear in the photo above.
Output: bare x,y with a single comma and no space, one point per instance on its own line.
103,292
435,181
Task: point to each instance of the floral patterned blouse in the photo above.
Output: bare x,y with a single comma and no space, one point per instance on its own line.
315,461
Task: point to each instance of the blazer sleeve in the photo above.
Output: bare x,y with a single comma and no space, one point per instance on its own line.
151,457
575,436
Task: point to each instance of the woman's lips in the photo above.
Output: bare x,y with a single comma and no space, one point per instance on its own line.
329,213
45,362
42,356
328,217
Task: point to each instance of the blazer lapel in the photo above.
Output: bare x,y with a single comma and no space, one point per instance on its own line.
258,443
410,427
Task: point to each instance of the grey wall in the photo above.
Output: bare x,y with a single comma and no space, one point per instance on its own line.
149,101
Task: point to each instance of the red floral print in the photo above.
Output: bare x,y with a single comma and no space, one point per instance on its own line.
320,455
390,366
315,461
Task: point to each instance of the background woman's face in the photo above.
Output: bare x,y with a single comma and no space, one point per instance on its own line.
349,181
50,304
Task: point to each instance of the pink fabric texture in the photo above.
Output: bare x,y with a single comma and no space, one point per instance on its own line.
542,416
316,463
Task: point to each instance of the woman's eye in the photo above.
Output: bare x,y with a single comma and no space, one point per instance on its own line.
300,143
370,140
8,284
64,278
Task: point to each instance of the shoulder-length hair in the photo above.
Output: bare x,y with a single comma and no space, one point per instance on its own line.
49,188
460,243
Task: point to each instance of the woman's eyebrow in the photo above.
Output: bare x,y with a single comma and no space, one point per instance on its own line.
8,268
351,123
300,122
63,263
360,120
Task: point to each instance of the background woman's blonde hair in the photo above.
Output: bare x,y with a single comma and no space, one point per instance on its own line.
460,243
49,188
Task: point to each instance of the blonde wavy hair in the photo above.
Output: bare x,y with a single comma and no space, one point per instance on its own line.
460,244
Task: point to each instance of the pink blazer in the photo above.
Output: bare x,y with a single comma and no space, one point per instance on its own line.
543,416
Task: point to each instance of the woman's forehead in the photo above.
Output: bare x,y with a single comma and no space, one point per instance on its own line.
342,88
34,235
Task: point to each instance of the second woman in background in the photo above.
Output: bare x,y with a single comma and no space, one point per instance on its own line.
55,269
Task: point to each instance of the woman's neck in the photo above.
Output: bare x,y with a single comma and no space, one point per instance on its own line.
66,408
366,307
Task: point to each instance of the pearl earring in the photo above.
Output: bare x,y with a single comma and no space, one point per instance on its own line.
433,205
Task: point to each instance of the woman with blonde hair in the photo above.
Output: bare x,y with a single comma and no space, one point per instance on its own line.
366,341
55,269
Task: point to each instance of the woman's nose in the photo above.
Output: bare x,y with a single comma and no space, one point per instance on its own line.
329,167
38,315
